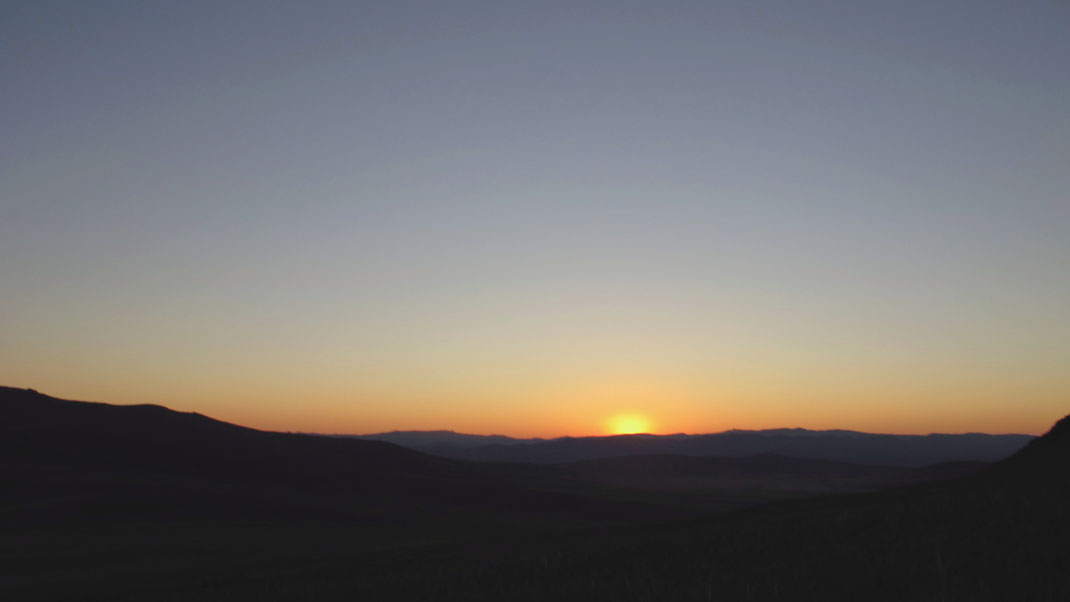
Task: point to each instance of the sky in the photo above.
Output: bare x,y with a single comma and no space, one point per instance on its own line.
531,218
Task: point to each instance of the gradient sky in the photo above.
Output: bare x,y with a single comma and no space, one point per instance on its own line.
526,217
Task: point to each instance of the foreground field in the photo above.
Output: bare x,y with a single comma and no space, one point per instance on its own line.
967,541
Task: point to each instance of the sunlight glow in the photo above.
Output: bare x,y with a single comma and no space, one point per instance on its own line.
628,424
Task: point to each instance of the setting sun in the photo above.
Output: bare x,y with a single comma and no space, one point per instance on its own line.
628,424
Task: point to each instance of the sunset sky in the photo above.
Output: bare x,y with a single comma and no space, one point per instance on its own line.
539,218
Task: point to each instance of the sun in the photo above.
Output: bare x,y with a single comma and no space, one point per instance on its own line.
628,424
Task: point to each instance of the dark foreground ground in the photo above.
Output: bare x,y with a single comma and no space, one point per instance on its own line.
959,543
89,525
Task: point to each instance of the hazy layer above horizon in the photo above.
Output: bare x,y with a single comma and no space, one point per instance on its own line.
528,218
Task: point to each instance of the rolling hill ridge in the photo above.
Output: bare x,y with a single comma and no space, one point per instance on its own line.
837,445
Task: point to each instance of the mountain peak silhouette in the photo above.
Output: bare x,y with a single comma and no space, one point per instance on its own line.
1055,441
1061,430
1044,460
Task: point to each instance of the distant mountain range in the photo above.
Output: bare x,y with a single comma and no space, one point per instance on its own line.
835,445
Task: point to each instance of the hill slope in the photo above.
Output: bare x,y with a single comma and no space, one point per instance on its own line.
73,460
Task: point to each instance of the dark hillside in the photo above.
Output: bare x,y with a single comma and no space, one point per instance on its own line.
151,437
1046,458
71,460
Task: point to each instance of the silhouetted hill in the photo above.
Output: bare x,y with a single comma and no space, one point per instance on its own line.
71,460
152,437
419,439
1048,454
835,445
1040,470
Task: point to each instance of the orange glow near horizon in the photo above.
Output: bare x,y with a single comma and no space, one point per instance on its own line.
607,403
